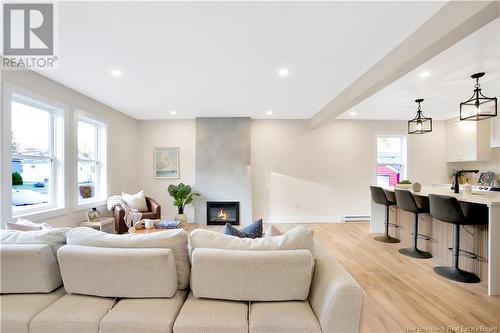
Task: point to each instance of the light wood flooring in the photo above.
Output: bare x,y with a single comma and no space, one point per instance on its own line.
404,294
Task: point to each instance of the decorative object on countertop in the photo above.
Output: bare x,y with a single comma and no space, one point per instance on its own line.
467,187
417,187
456,185
487,178
182,196
419,124
478,107
404,184
461,178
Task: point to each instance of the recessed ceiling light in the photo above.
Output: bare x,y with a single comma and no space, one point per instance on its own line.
269,112
116,73
424,74
352,114
283,72
173,113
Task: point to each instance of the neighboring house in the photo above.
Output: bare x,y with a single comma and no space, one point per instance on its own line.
391,173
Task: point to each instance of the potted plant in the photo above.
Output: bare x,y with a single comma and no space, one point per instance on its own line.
404,184
182,196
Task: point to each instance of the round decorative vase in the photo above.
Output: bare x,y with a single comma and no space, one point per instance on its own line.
180,215
417,187
182,218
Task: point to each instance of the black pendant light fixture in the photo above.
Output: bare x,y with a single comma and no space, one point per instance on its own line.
419,124
478,107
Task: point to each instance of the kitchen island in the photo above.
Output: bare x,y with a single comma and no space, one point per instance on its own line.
482,240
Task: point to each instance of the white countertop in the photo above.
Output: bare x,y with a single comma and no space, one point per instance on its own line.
485,198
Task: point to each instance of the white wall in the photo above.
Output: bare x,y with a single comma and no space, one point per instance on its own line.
122,140
166,133
298,173
303,175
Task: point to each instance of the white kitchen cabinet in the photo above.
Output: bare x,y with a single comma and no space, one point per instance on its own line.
468,141
495,132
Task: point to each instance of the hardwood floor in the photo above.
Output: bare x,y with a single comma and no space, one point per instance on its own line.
404,294
401,293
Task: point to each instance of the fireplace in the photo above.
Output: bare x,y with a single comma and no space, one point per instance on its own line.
222,212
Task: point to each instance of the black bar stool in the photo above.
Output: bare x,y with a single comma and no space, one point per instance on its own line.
406,202
379,196
448,209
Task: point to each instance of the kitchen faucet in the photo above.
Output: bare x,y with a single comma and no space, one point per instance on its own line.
457,174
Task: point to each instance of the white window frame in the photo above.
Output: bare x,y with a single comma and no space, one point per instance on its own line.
404,154
101,161
58,114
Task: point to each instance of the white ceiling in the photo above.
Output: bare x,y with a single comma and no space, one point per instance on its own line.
448,84
211,59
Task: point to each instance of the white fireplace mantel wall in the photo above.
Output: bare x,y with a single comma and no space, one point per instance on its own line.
223,165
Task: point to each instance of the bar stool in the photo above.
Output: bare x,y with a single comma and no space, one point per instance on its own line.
448,209
379,196
406,202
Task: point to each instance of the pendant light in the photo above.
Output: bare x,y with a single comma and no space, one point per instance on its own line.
478,107
419,124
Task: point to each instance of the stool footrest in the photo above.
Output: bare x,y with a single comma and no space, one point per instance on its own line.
422,236
393,225
465,253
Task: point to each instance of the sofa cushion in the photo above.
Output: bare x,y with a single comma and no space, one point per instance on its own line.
297,238
212,316
251,275
54,237
155,315
286,317
28,268
176,240
19,309
110,272
72,313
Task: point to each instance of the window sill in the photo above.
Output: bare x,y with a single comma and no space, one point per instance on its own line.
41,214
90,204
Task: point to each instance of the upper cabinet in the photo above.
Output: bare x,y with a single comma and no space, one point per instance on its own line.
495,132
468,141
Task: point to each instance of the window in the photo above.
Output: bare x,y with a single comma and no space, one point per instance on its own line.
391,160
92,153
37,156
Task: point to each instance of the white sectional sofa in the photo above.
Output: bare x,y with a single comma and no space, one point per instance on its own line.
159,283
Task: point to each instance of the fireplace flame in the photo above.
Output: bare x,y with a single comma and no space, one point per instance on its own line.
223,215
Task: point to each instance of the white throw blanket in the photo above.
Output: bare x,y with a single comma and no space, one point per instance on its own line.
132,216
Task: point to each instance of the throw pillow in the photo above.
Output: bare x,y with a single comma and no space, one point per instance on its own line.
253,230
27,225
136,201
272,231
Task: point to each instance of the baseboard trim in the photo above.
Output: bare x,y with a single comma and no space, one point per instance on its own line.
302,219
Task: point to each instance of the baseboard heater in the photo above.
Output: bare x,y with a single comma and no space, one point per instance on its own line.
355,218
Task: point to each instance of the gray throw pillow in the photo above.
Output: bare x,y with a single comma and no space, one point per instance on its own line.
253,230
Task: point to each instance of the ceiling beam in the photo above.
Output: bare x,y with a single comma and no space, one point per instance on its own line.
453,22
